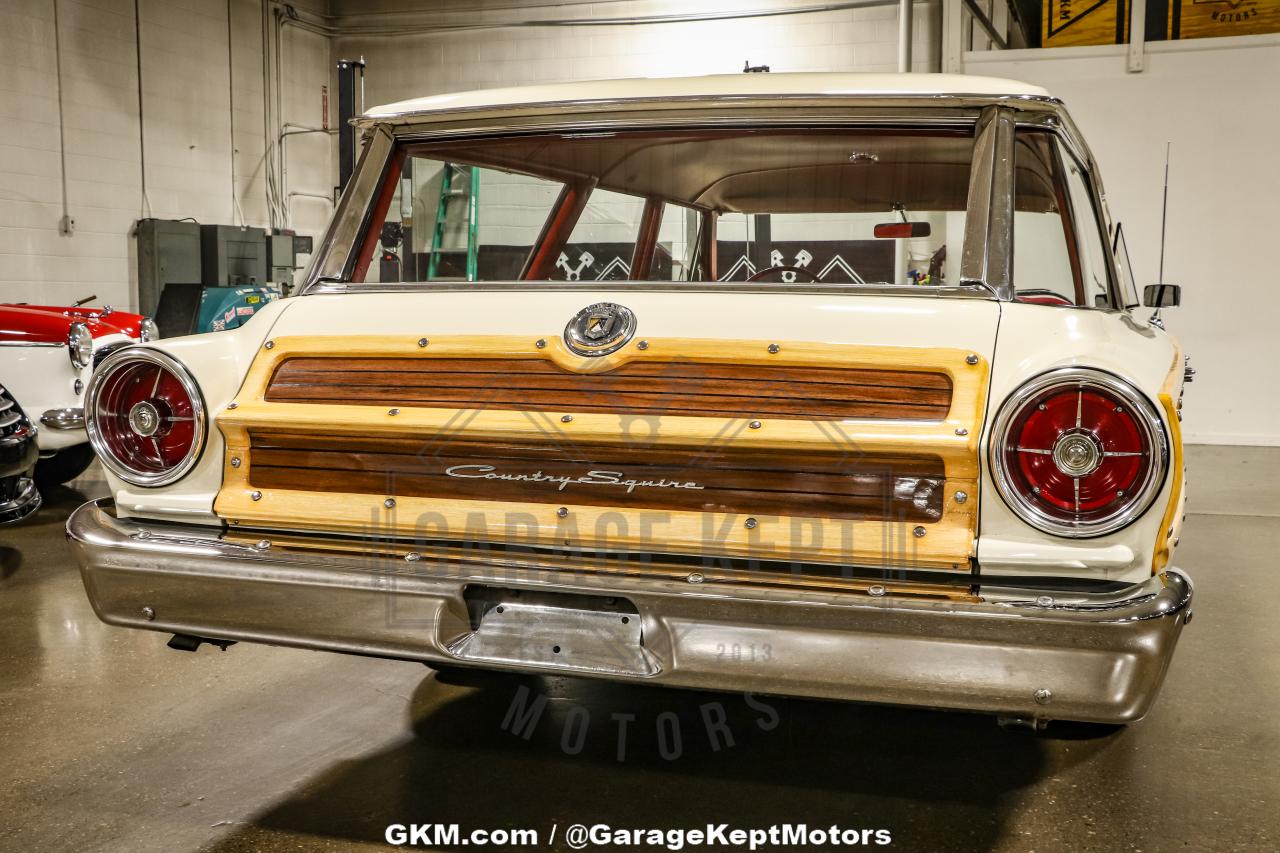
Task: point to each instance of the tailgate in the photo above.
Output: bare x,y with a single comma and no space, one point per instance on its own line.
853,447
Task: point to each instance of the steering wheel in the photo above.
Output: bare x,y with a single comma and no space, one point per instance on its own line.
784,269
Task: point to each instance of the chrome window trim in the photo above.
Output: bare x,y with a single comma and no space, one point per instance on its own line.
335,257
198,410
503,112
809,289
987,256
1149,420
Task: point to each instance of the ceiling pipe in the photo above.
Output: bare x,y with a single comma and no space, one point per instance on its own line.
905,11
339,26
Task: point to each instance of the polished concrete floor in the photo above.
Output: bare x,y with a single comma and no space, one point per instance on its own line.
111,741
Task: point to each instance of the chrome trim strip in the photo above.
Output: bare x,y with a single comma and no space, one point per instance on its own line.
987,256
334,258
712,101
32,344
27,501
63,419
189,386
1102,656
814,288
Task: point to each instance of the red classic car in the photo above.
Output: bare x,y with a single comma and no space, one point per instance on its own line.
46,355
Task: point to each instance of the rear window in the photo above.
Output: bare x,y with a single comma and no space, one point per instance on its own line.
695,205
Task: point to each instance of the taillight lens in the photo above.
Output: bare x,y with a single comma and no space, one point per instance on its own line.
145,417
1078,452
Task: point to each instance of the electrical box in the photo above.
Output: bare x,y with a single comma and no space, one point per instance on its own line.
168,251
233,255
282,258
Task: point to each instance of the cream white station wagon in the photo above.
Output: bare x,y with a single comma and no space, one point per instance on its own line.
809,384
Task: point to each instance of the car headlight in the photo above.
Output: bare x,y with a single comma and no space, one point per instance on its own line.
149,330
1078,452
80,345
145,417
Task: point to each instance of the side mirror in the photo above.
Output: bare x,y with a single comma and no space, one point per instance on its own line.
1162,295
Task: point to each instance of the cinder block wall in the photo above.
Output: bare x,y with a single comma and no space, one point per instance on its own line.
518,54
189,79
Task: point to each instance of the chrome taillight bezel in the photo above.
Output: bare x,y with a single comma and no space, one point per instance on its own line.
116,361
1153,430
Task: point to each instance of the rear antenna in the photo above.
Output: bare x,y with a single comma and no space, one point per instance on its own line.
1164,220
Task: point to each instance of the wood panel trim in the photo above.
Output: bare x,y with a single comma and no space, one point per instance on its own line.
678,387
947,545
1165,536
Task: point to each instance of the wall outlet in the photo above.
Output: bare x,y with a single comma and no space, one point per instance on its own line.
66,226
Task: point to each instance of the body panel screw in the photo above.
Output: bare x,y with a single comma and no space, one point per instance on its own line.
961,497
257,496
235,461
919,531
971,358
695,577
422,342
148,613
642,345
263,544
233,405
754,425
393,412
562,511
876,590
564,419
961,431
270,345
774,348
540,343
1043,696
413,557
751,523
389,503
1045,601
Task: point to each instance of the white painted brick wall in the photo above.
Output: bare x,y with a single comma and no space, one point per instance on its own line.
412,66
187,96
848,40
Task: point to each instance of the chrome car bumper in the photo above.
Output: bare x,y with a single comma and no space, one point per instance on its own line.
1032,654
26,500
63,419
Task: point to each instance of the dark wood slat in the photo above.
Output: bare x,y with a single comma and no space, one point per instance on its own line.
732,501
721,479
346,384
325,365
738,480
657,388
728,455
705,404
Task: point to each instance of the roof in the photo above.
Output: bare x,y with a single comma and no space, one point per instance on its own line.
852,85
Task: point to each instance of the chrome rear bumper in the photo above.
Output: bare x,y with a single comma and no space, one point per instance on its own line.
1097,657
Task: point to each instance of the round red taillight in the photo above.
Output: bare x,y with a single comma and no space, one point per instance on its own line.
145,417
1078,452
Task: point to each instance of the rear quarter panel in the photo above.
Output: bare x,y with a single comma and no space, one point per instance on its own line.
1037,338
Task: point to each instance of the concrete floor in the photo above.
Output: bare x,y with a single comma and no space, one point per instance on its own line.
109,740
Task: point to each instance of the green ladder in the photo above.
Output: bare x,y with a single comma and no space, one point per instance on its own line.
451,176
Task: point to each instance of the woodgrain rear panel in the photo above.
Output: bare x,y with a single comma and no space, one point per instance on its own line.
649,388
823,454
724,480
